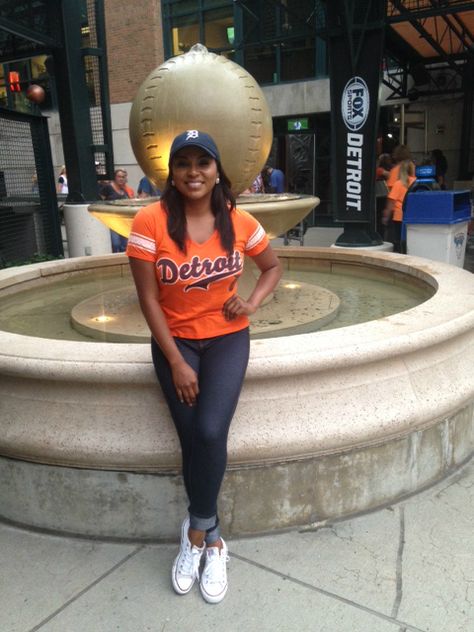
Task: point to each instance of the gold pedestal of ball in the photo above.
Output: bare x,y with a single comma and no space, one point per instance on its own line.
201,90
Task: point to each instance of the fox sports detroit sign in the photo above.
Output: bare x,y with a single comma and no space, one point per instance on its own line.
355,103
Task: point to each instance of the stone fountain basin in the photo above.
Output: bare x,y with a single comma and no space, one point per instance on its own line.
329,424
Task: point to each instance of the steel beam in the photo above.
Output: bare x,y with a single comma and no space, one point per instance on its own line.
422,14
73,103
24,32
433,43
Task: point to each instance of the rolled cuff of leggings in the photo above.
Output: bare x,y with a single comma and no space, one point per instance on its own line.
202,524
212,535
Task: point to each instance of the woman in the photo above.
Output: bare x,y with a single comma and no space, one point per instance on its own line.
382,172
62,186
147,189
186,253
399,155
441,164
383,167
118,189
392,216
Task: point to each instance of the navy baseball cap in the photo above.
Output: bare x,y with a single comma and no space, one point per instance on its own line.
195,138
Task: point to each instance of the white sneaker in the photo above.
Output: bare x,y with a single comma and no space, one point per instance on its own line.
186,565
213,582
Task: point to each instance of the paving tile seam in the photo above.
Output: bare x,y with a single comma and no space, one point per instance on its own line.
82,592
403,625
461,471
399,563
454,479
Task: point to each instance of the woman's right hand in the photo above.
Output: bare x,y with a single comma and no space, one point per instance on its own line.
184,377
185,381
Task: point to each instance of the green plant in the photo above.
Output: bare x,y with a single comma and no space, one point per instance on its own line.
36,258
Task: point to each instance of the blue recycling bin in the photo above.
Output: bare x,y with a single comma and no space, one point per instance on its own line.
436,224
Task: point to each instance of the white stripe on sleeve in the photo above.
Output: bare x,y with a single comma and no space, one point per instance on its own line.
256,238
142,242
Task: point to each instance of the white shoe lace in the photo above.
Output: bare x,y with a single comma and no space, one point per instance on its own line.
189,561
215,568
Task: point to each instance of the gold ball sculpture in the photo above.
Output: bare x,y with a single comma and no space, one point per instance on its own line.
208,92
201,90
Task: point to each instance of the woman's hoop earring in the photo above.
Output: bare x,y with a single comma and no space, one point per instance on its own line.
218,180
172,183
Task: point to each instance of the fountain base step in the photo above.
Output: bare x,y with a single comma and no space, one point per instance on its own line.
254,499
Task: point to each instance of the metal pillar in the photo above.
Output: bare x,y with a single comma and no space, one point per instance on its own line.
73,105
46,181
356,35
402,124
466,127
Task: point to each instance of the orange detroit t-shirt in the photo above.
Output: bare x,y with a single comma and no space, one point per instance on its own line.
393,176
193,287
397,194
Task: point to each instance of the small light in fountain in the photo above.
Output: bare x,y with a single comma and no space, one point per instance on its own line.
292,286
102,318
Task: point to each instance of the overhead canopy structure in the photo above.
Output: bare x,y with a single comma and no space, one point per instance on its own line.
431,40
434,29
28,28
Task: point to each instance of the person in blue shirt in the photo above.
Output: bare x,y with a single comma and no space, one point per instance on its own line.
147,189
276,180
439,161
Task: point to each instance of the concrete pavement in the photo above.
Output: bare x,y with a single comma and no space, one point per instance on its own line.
407,567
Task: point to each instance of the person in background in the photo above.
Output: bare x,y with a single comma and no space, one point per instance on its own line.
399,154
276,180
100,172
257,185
186,254
34,183
61,186
265,180
441,164
382,172
384,165
101,177
147,189
392,216
117,189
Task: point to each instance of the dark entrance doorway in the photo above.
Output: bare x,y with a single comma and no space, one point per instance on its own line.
304,157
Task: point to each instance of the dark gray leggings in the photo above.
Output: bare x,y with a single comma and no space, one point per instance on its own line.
202,429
